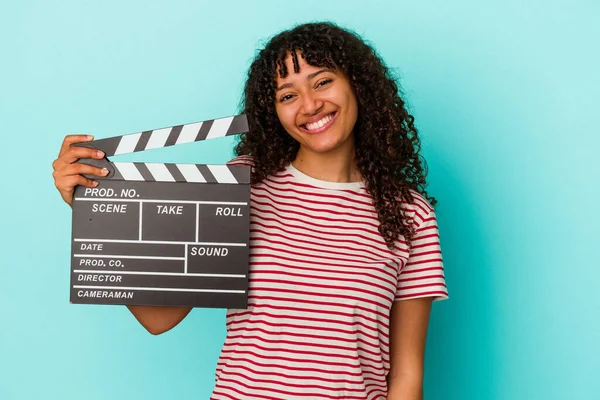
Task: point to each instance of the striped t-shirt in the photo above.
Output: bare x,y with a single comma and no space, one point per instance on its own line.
321,285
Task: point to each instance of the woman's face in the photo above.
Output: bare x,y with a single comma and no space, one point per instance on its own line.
317,107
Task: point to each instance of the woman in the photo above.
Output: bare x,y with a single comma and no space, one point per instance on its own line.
345,256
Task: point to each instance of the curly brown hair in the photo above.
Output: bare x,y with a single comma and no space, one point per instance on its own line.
386,140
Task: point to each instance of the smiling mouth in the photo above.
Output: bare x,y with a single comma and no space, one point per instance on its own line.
321,125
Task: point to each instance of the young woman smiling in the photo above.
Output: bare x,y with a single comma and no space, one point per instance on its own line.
345,257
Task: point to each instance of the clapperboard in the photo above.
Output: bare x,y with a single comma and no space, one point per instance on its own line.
163,234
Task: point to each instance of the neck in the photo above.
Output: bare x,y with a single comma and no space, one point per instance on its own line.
335,166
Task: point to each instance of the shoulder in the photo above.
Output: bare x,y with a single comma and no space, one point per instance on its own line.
419,203
241,161
419,210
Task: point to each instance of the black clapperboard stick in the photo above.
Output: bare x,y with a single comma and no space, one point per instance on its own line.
163,234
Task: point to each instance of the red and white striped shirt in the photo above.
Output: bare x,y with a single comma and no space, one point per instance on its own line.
321,285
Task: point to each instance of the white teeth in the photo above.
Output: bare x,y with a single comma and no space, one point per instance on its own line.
320,123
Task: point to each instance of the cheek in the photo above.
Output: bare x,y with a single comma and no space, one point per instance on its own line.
351,110
286,117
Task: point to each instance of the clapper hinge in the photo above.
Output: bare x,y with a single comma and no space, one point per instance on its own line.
100,163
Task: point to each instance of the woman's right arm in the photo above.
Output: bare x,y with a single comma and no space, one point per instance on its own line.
68,174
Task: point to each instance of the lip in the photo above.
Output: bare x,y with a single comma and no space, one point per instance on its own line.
323,128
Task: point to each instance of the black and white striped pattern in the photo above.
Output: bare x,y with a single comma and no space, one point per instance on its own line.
195,173
171,136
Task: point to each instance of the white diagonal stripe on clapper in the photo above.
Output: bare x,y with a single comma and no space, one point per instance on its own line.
222,174
188,133
160,172
190,173
127,143
129,171
219,128
158,138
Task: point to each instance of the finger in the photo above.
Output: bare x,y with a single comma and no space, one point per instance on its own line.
80,169
83,181
70,139
67,193
67,184
75,153
68,190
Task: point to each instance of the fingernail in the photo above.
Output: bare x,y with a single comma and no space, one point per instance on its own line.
100,154
104,171
90,137
95,183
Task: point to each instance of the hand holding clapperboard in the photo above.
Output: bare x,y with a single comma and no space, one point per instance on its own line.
163,234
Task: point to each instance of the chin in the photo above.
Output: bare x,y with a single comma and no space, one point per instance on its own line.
324,147
330,142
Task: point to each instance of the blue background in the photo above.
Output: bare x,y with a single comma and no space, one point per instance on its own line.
505,95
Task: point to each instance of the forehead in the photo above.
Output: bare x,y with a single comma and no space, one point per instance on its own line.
304,69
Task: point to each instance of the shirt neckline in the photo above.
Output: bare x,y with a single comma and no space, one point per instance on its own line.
303,178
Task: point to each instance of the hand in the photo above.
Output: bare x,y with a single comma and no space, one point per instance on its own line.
67,173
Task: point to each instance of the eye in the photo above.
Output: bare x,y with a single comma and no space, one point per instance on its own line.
324,82
285,97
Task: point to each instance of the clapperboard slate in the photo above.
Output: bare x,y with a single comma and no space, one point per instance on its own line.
163,234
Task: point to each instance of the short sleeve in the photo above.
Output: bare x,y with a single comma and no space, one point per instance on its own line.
241,160
423,273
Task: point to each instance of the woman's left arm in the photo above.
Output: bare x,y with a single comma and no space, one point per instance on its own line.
408,332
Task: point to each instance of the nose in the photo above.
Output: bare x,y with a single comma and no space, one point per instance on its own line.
311,104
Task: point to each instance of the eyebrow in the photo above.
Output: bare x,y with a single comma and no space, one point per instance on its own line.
309,77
